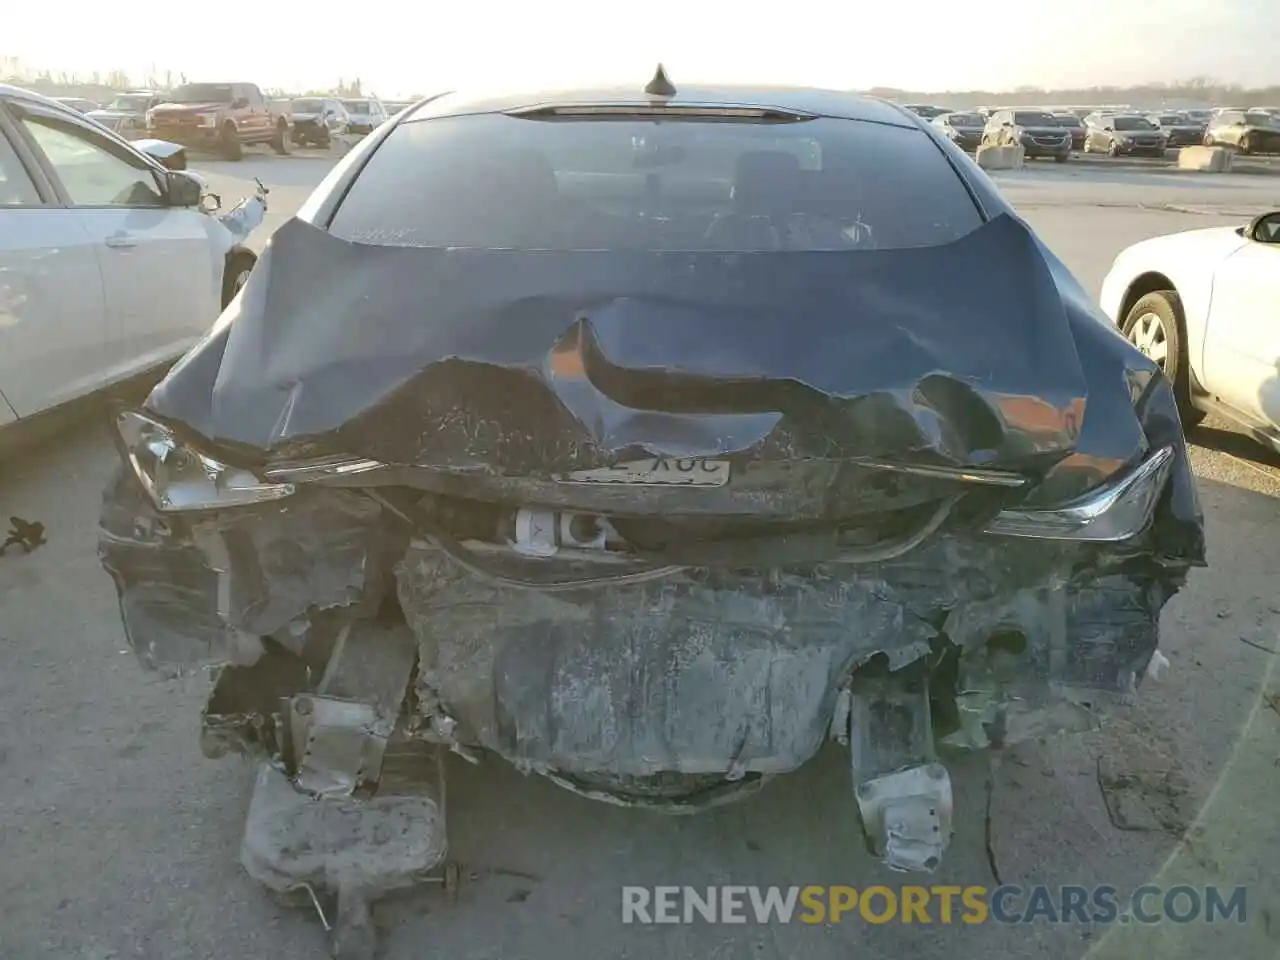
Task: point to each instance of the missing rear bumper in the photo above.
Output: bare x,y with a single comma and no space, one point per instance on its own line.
340,637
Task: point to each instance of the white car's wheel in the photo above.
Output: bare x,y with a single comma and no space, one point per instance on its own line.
1154,326
238,268
1148,335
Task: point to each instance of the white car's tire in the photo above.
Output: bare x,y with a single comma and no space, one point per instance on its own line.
239,265
1155,326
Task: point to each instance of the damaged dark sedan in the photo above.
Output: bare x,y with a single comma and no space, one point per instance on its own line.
646,439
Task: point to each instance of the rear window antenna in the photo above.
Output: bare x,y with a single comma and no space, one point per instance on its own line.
660,85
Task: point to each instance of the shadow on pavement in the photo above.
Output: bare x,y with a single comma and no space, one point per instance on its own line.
1234,443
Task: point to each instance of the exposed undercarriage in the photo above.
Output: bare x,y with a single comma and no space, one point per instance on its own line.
360,633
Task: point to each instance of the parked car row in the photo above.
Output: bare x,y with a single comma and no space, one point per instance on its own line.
221,117
225,117
317,120
1123,135
1248,131
1073,125
1116,133
366,113
126,114
1038,132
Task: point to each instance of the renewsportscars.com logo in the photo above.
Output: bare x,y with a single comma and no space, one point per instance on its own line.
928,905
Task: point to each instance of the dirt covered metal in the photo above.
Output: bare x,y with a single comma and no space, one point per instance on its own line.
548,360
506,371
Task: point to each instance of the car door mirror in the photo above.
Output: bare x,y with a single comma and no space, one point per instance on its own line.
1265,228
182,189
1108,128
171,156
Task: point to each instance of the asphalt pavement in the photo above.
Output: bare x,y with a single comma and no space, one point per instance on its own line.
117,840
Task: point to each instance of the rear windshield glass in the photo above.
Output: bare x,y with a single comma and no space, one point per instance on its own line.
1171,120
356,106
497,181
967,120
1068,121
1259,119
308,106
1031,118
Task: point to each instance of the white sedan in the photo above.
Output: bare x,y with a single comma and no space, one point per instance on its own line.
1205,305
111,265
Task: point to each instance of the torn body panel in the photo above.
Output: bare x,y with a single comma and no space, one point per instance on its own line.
533,363
728,672
701,668
245,217
228,230
691,671
204,590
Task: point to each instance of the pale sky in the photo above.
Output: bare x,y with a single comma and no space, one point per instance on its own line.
398,48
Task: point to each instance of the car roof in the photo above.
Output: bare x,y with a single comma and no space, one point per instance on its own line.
829,103
9,90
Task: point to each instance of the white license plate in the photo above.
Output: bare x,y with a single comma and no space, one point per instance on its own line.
659,472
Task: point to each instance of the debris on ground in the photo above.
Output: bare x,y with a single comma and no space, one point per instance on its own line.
27,534
1145,790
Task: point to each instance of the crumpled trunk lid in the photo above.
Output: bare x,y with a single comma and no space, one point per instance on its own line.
541,363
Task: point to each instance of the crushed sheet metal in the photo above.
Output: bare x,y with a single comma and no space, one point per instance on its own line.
334,743
544,361
274,570
704,673
340,733
245,217
909,813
